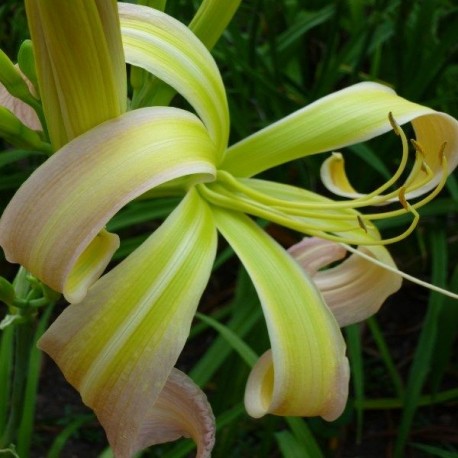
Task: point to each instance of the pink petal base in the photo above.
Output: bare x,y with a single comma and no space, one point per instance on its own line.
355,289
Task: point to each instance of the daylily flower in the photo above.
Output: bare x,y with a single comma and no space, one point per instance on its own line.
120,338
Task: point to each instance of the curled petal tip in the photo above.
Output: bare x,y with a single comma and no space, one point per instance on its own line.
260,398
258,391
313,253
339,395
181,410
90,265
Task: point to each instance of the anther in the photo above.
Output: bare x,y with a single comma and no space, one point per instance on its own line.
442,157
361,223
393,123
424,167
418,147
402,198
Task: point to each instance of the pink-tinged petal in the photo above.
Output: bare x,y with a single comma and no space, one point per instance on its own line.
119,345
314,253
356,288
25,113
54,219
181,410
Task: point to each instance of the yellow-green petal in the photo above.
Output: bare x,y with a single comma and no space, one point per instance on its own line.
165,47
60,210
346,117
119,345
80,64
306,372
355,289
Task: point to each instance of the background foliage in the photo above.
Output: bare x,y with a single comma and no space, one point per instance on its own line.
277,56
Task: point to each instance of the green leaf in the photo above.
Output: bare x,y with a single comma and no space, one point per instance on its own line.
424,352
245,352
435,451
8,157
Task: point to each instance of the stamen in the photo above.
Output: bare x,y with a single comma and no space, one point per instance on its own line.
418,147
420,152
298,208
248,194
420,165
375,197
319,226
402,198
317,216
399,272
440,185
442,156
422,202
217,195
425,168
397,129
398,238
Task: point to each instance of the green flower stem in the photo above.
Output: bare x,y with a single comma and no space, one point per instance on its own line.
23,339
6,367
24,434
20,363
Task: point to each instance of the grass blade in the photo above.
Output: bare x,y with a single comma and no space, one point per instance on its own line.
355,354
426,344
